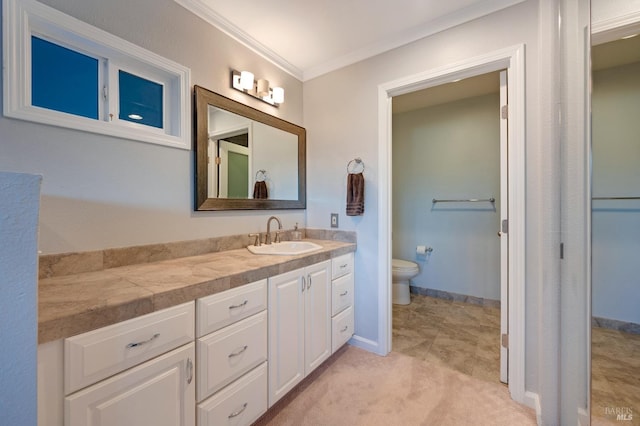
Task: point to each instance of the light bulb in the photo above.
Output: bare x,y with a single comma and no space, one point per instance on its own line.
263,87
246,80
278,95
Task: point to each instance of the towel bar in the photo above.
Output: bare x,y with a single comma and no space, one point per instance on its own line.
470,200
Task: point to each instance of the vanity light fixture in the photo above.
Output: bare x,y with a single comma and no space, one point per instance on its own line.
244,81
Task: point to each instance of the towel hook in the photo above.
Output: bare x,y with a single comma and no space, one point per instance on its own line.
261,175
358,162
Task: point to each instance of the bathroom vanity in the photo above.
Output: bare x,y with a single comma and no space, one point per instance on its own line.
207,339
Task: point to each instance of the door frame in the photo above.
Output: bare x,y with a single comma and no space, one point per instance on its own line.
513,60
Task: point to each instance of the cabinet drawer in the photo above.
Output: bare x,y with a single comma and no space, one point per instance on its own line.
342,328
342,265
341,293
221,309
226,354
98,354
240,403
160,392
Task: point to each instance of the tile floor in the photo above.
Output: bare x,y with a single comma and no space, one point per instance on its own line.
465,337
615,374
462,336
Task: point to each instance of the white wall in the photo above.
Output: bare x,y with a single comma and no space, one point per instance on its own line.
341,117
100,192
20,195
449,151
616,172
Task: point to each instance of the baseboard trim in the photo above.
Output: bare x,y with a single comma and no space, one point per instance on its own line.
532,400
612,324
366,344
456,297
584,417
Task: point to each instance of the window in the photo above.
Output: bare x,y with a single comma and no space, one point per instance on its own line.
67,73
140,100
63,80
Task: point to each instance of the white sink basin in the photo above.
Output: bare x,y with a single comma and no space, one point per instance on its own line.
285,248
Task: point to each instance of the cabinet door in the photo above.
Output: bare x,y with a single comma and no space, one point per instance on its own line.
160,392
317,315
286,333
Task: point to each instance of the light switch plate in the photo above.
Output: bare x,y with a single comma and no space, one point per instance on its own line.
334,220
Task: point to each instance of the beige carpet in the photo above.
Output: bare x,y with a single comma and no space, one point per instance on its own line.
359,388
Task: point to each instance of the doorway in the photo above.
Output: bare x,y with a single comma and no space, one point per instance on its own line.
511,59
450,194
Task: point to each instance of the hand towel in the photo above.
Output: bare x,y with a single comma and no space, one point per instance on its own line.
260,190
355,194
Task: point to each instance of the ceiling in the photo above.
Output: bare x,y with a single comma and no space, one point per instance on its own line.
308,38
615,53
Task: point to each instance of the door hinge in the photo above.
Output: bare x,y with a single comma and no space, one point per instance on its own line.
505,341
561,250
218,160
504,111
505,226
105,93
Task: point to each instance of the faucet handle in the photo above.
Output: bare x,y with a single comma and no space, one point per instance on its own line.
278,239
257,240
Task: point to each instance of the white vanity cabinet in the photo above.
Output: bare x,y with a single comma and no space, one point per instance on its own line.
342,288
232,355
299,326
139,371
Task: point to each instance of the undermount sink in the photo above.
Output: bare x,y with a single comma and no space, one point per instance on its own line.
285,248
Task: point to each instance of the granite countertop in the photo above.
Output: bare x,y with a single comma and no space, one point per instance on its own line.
74,304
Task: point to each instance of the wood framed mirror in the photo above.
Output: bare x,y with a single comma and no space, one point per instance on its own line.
246,159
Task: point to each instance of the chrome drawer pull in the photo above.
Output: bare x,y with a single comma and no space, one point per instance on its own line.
346,327
190,370
237,413
309,283
344,293
304,283
239,306
136,344
344,266
244,348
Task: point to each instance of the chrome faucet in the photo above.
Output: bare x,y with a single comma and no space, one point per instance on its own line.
267,238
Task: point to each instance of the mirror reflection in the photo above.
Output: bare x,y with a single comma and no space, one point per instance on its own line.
615,388
246,159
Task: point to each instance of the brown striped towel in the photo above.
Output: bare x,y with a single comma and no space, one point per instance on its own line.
355,194
260,190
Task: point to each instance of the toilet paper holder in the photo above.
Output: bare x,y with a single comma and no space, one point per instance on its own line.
423,249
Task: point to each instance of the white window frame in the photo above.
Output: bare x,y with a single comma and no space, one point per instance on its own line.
24,18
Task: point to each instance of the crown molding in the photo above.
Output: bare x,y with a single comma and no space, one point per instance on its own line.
199,8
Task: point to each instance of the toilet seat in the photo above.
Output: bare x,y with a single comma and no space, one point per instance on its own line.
403,265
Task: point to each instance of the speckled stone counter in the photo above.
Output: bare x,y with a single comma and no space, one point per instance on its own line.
77,303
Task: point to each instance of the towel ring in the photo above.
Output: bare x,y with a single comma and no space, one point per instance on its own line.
358,162
261,175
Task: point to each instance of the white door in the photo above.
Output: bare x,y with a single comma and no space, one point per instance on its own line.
317,315
160,392
286,333
503,233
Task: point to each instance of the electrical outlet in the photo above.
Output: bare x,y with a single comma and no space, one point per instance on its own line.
334,220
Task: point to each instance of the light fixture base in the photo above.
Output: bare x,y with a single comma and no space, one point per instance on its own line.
253,92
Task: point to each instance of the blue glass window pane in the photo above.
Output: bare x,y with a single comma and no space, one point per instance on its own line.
140,100
63,79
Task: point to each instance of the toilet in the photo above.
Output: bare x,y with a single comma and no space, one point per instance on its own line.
401,272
